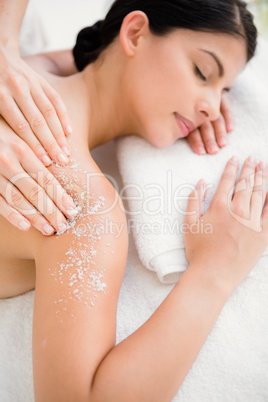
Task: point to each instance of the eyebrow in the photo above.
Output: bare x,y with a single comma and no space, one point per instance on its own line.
219,63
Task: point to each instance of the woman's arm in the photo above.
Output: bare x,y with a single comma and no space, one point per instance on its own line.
75,314
27,102
29,194
11,16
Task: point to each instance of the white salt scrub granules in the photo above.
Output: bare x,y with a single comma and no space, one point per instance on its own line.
85,280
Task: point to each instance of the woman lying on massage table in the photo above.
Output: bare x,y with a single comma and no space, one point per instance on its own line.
36,112
157,69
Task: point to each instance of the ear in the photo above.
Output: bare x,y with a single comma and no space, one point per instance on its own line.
134,26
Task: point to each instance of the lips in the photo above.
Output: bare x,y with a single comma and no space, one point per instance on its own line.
185,125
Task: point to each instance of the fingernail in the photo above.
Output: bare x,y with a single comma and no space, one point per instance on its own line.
72,212
66,150
48,229
261,166
252,160
201,151
213,149
62,158
70,204
24,225
62,228
234,159
46,160
69,129
230,127
222,142
200,184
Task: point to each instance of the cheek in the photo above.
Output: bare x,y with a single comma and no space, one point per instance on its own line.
158,89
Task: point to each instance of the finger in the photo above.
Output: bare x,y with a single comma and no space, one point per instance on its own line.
52,120
13,216
244,187
13,116
195,203
259,190
40,129
37,198
59,106
227,114
51,186
208,137
220,132
265,217
196,142
18,211
226,186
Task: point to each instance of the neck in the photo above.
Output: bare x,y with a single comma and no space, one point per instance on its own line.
108,103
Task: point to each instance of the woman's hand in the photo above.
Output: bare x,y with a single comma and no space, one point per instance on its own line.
29,193
233,233
212,136
33,109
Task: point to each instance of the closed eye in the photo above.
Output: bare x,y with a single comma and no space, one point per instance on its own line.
199,74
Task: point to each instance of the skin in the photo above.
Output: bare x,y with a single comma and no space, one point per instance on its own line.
74,352
27,102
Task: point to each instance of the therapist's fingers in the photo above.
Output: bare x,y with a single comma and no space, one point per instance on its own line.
52,188
38,125
42,204
39,188
59,106
52,119
13,116
18,211
13,216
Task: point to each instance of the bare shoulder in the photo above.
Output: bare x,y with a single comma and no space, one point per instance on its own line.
101,213
59,63
99,232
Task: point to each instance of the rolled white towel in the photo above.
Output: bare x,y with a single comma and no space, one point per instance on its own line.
157,182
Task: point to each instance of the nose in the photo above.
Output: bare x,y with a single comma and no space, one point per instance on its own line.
209,106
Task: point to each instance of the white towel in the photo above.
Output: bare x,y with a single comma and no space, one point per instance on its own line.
152,176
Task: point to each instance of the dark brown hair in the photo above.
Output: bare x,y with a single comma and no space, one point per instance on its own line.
223,16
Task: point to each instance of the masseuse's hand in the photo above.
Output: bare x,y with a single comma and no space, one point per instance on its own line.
212,136
234,230
33,109
29,194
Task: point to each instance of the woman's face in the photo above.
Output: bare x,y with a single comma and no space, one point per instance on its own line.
177,81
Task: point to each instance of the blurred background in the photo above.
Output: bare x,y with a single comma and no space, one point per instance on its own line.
260,10
61,20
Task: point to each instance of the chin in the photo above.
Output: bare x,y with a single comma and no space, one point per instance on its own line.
159,141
